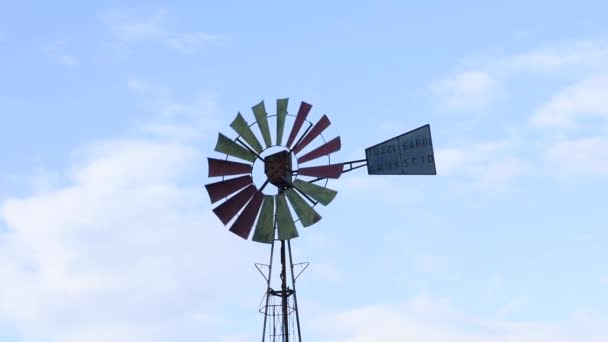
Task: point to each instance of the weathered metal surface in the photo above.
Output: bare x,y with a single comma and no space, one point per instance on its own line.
241,126
316,130
221,189
231,148
285,225
326,171
264,228
331,146
244,223
277,168
281,115
259,111
227,210
300,117
318,193
307,214
408,154
219,167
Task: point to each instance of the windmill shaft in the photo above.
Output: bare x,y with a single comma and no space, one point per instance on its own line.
284,294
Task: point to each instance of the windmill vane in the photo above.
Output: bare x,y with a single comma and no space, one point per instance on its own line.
247,208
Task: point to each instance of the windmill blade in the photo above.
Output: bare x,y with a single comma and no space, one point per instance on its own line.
231,148
326,171
316,130
285,225
221,189
219,167
244,223
227,210
307,214
316,192
241,126
259,111
331,146
264,229
281,115
302,114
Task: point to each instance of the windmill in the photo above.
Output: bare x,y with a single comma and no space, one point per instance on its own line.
296,173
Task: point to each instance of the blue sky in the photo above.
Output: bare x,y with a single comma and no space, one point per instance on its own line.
108,111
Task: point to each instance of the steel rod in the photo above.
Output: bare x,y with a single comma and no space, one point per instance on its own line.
295,298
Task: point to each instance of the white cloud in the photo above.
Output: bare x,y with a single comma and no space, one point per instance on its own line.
477,87
578,158
131,27
487,166
126,250
585,54
57,52
195,119
585,99
427,319
467,90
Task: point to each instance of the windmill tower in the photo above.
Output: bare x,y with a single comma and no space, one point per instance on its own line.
294,182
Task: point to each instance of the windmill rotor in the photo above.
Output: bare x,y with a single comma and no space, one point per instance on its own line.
244,205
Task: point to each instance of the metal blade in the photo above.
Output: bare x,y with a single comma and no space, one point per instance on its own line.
285,225
227,210
231,148
221,189
331,146
281,115
326,171
264,229
307,214
318,193
316,130
241,126
219,167
259,111
243,224
302,114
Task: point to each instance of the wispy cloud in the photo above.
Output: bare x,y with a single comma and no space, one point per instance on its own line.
425,318
57,51
585,99
156,26
186,120
578,158
479,86
466,91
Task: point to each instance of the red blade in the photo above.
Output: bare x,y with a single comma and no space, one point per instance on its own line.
326,171
244,223
316,130
302,114
221,189
218,167
231,207
323,150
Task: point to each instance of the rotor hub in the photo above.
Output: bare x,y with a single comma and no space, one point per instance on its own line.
277,168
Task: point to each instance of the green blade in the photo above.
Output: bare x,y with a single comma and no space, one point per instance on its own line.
285,225
307,214
262,118
225,145
242,128
281,114
318,193
264,229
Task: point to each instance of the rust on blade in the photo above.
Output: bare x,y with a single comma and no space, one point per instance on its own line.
219,167
219,190
316,130
326,171
300,117
227,210
244,223
331,146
